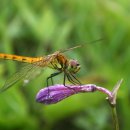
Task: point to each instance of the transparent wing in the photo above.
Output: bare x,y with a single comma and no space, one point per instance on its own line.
24,73
28,71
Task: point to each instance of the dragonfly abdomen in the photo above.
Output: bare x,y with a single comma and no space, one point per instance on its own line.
19,58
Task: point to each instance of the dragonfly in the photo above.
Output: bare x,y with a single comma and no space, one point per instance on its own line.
57,61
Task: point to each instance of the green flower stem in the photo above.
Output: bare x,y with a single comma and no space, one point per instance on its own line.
112,103
115,118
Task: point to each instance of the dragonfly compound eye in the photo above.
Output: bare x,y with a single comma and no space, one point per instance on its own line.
74,66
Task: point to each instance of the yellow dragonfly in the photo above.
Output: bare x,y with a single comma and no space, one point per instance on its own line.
57,61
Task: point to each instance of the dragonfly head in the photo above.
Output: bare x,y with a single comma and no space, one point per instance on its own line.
74,66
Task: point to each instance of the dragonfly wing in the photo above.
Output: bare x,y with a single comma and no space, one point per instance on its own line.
35,71
25,72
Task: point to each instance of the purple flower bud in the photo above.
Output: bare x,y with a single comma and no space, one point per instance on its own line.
56,93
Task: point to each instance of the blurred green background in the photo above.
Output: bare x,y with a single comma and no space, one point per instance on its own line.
41,27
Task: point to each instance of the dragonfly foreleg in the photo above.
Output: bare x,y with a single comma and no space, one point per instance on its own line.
76,79
70,79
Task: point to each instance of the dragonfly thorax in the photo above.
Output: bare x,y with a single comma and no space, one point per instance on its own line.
73,66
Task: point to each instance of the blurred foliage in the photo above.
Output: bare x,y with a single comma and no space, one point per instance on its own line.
41,27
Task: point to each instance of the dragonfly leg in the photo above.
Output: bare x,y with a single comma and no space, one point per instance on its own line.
64,79
70,80
76,79
73,79
51,77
